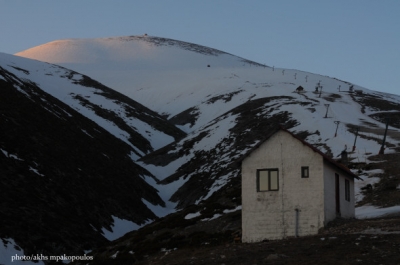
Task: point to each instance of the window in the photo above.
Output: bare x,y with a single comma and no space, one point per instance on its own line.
267,179
304,172
347,190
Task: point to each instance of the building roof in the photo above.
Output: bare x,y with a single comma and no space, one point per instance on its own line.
325,157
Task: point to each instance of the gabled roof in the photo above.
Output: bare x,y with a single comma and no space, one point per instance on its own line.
325,157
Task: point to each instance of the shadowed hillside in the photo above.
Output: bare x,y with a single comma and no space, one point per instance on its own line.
62,176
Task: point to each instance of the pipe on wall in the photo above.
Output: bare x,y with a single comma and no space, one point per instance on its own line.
297,222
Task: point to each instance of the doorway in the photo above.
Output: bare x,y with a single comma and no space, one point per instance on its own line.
337,194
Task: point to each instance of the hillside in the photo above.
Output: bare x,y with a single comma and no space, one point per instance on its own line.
225,105
141,128
68,181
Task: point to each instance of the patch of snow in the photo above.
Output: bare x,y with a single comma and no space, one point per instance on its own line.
233,210
156,138
87,133
114,255
7,154
159,210
11,253
215,216
4,152
370,211
162,172
133,156
192,215
165,192
218,131
378,231
35,171
15,157
119,228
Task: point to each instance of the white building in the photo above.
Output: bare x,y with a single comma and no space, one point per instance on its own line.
290,188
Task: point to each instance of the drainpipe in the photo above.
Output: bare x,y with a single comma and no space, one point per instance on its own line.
297,222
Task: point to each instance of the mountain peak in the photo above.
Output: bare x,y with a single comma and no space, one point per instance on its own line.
126,48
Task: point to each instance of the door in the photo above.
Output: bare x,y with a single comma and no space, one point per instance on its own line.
337,194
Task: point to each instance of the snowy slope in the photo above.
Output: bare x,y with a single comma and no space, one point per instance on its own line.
225,104
142,129
67,184
65,155
171,76
143,67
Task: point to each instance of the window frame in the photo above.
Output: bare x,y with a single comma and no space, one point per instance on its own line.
269,170
303,171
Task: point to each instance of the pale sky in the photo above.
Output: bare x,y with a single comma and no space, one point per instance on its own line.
353,40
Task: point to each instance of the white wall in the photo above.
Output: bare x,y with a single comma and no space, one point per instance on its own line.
347,208
329,187
271,214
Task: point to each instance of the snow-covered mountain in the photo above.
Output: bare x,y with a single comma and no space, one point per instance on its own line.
225,104
186,113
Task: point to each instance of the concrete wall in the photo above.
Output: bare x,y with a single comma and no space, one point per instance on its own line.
271,214
347,208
